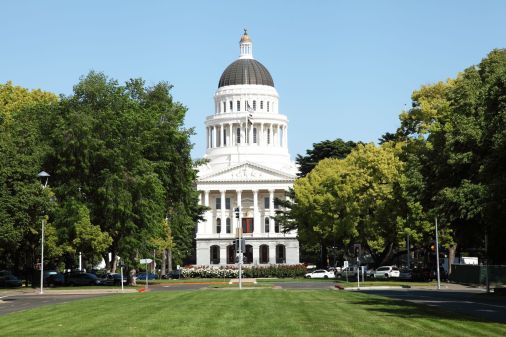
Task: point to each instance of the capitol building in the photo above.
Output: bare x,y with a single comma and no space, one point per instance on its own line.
248,167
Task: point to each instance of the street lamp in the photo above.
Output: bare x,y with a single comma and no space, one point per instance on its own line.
42,175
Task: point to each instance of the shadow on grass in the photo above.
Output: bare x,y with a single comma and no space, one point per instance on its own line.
404,309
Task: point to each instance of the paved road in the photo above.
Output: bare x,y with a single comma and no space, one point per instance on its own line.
23,302
473,303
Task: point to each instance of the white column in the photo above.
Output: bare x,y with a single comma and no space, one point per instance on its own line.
272,253
208,216
214,136
237,224
271,211
285,134
223,216
231,135
256,214
271,135
250,133
261,135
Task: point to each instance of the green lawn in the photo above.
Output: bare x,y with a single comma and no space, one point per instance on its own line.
252,312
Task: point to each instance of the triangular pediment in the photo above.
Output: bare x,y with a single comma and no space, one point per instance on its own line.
247,172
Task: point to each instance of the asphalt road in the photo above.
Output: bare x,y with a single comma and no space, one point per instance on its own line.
24,302
471,303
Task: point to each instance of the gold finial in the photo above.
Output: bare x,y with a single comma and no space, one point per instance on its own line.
245,37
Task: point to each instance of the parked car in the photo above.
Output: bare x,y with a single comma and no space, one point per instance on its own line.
9,280
81,279
405,274
421,274
385,272
173,274
320,273
151,276
52,278
350,272
113,279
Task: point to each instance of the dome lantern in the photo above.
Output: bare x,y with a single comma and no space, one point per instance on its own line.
245,46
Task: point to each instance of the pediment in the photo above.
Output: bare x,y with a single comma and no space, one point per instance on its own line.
247,172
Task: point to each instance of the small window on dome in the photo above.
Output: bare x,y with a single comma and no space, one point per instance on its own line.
224,106
231,105
261,105
254,135
268,106
238,105
254,105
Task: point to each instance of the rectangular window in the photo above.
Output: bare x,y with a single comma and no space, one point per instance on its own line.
255,105
224,136
268,136
231,105
268,106
227,203
238,135
238,105
254,135
218,203
261,105
224,106
266,203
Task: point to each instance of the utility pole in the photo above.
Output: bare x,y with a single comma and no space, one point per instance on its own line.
437,259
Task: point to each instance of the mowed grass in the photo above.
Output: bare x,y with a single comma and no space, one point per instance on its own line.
250,312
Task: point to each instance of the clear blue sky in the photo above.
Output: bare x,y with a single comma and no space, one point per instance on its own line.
342,68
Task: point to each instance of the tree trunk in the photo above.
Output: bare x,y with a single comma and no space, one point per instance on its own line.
451,257
164,261
169,259
387,254
323,255
113,262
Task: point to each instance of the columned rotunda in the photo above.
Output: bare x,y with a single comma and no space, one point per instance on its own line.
248,167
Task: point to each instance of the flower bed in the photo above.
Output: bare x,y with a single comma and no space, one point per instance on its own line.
232,271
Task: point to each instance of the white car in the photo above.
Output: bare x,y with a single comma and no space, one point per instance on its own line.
386,272
320,273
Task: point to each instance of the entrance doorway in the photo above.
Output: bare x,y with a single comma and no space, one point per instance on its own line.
247,225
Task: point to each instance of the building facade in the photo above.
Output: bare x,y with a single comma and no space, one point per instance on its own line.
248,167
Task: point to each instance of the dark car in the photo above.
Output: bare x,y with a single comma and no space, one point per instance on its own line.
173,275
151,276
112,279
9,280
55,280
81,279
52,278
421,275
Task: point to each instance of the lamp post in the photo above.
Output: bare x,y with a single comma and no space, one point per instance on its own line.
42,175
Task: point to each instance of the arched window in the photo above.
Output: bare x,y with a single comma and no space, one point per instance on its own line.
231,254
231,105
254,135
229,230
224,106
268,105
248,254
224,136
214,254
218,225
268,136
264,254
266,223
276,227
280,254
238,135
261,105
254,105
238,105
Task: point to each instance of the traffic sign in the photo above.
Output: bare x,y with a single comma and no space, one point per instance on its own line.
146,261
345,264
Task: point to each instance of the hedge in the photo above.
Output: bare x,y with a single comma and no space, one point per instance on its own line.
279,271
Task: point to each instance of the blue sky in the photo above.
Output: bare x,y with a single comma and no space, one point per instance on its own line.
342,68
